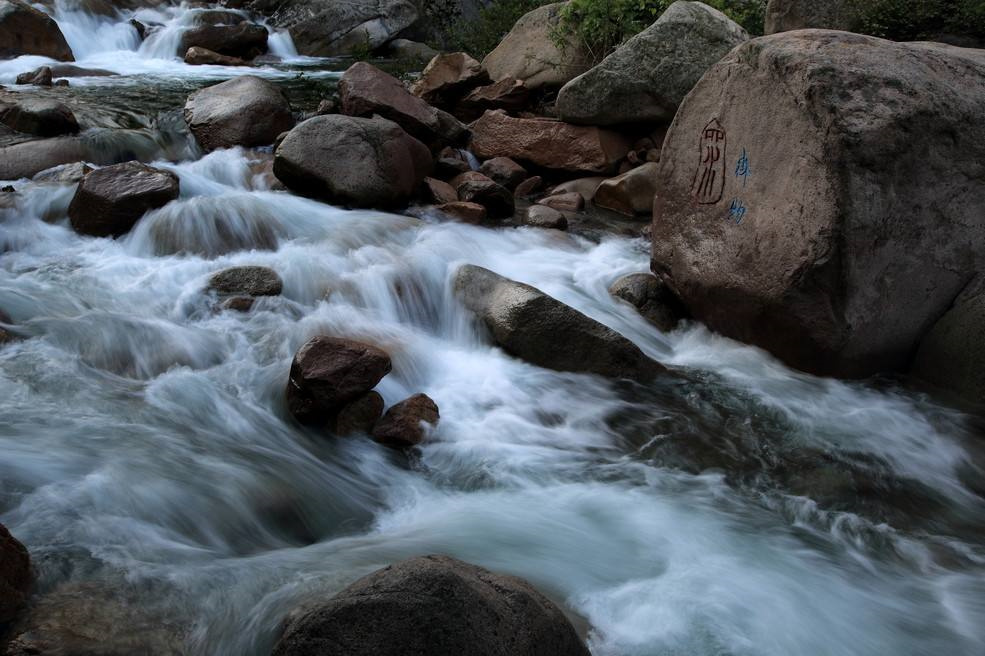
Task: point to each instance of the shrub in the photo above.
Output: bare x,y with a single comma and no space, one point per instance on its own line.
477,37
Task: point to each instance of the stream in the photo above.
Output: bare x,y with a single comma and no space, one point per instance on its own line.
149,463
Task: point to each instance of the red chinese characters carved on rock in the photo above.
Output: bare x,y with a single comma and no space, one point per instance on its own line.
709,179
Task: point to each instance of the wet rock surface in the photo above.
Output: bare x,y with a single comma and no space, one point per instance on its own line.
110,200
245,111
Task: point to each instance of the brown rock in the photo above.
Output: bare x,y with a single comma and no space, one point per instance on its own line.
245,111
15,576
469,176
244,40
465,212
630,193
541,216
547,143
198,56
403,425
25,30
584,186
439,191
508,94
448,77
474,187
39,77
820,255
327,106
358,416
449,167
366,91
39,116
569,202
23,160
329,372
504,171
528,187
110,200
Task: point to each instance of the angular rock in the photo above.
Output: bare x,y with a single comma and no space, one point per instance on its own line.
809,245
245,40
647,77
246,281
528,187
38,116
786,15
405,424
535,327
197,56
357,161
39,77
529,52
244,111
15,576
25,30
571,201
366,91
329,372
439,191
504,171
447,78
477,188
652,299
509,94
630,193
541,216
449,167
547,143
65,173
433,605
109,201
465,212
358,416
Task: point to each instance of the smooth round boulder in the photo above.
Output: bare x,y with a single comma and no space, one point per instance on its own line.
246,281
245,111
38,116
15,575
355,161
329,372
25,30
404,424
433,605
109,201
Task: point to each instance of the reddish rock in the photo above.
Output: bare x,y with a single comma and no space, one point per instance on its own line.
569,202
475,187
110,200
541,216
329,372
448,77
584,186
366,90
630,193
449,167
528,187
403,425
504,171
439,191
25,30
465,212
198,56
358,416
548,143
15,575
508,94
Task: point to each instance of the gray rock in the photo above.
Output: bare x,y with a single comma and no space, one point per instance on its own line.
652,299
247,281
411,50
542,216
647,77
23,160
64,173
25,30
244,111
433,605
537,328
358,161
857,224
110,200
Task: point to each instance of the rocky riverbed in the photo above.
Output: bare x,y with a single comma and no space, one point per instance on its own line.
301,354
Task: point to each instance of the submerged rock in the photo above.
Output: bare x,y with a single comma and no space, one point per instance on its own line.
15,572
110,200
542,330
812,246
433,605
246,281
329,372
651,298
404,424
358,161
25,30
244,111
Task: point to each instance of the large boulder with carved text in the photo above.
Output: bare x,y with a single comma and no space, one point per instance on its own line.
647,77
838,242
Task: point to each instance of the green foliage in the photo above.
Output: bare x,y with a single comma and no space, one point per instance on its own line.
603,25
477,37
913,20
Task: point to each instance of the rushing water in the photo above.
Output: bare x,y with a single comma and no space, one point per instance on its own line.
148,461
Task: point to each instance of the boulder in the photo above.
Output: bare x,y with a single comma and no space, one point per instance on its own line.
25,30
411,50
197,56
786,15
542,216
530,54
39,77
509,94
584,186
548,143
64,173
477,188
38,116
329,372
465,212
652,299
325,29
218,17
528,187
952,355
504,171
630,193
433,605
245,40
535,327
25,159
366,91
405,424
357,416
439,191
647,77
447,78
109,201
246,281
244,111
838,244
571,201
15,576
358,161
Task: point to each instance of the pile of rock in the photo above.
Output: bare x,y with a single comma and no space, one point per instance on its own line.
330,387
